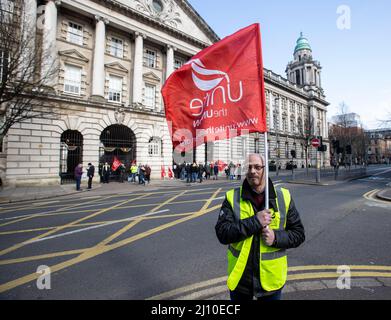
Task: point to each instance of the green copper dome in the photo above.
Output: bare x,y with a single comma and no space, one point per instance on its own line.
302,43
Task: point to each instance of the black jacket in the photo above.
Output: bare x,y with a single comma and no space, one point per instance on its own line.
91,171
231,230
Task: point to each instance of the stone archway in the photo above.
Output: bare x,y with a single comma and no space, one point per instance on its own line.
117,142
71,154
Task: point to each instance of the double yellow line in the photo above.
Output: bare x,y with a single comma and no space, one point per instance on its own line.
331,271
217,286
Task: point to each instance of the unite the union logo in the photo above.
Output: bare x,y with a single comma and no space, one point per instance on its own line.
210,81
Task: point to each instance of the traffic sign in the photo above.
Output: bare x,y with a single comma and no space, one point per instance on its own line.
315,142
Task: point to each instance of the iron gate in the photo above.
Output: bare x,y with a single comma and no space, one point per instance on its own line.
71,154
117,142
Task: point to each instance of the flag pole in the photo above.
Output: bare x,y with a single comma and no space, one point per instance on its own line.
266,173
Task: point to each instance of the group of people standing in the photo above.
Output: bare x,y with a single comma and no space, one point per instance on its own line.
79,174
141,173
195,171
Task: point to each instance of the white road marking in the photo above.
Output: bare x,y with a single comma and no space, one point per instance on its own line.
95,227
44,203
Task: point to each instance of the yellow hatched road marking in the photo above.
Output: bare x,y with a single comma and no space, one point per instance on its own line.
20,245
133,223
97,250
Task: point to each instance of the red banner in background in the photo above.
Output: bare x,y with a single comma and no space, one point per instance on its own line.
219,91
116,164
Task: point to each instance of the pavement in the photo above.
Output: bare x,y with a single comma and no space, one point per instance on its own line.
384,194
19,194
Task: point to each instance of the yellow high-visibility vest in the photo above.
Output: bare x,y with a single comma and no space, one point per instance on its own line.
273,261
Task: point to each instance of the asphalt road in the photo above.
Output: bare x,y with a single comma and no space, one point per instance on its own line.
161,243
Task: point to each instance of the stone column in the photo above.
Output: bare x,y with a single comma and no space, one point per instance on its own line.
271,110
98,71
170,60
49,46
29,35
138,68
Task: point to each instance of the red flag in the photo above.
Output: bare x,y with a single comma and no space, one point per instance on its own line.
116,164
220,89
221,165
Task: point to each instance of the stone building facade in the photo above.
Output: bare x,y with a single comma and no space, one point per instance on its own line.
379,148
113,57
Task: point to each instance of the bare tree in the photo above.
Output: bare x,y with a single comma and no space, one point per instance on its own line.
23,93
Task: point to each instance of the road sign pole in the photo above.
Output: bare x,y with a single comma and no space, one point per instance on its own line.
317,167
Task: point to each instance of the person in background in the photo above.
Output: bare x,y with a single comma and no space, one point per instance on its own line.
207,171
78,175
201,170
106,173
90,175
148,171
133,172
194,172
216,170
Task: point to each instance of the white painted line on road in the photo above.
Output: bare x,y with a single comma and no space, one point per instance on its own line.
96,227
378,174
44,203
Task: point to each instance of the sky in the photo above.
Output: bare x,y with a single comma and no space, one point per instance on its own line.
350,38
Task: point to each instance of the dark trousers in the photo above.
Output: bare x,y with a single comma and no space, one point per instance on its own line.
90,182
237,296
78,181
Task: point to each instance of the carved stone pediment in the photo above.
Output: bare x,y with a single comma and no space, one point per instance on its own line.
150,76
73,54
164,11
116,66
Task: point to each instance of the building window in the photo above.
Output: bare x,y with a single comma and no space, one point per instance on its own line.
4,62
155,146
178,63
285,124
75,33
117,47
150,58
150,96
115,89
256,145
300,126
72,79
286,150
275,121
293,129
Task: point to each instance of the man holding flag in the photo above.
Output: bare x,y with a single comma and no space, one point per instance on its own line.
258,237
217,95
